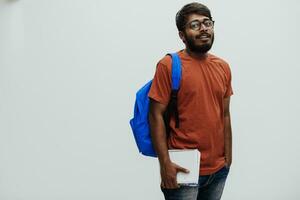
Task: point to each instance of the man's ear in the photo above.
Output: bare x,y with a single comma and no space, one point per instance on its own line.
181,35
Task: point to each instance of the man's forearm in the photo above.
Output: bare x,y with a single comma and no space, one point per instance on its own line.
168,170
159,137
228,139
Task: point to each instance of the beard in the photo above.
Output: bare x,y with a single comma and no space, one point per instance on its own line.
191,44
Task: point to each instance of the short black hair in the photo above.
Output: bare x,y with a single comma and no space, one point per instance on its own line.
188,9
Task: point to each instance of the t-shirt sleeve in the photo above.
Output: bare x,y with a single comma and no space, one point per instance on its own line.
161,85
229,90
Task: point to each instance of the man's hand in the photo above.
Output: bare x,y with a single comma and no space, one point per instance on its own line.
228,162
168,173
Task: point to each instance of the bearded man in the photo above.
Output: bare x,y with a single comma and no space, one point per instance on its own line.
203,106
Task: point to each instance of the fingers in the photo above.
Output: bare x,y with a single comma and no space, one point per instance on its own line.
170,184
181,169
169,176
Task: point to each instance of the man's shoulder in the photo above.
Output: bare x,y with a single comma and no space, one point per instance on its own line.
218,59
165,60
220,63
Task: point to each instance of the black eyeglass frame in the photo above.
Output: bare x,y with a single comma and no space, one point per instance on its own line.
189,23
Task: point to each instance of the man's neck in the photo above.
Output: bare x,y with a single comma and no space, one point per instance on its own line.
195,54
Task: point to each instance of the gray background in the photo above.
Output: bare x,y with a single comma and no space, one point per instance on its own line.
69,70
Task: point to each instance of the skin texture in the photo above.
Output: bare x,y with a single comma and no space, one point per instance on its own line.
168,169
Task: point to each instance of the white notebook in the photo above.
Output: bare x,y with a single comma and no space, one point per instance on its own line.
188,159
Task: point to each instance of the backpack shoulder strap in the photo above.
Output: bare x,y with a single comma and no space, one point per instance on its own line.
176,71
176,77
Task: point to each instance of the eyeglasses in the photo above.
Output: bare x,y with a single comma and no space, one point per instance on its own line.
196,24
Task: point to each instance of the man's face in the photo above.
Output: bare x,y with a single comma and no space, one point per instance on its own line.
198,33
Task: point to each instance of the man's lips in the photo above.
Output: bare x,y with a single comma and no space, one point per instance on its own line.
203,37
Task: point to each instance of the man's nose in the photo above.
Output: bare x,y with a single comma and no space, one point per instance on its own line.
203,27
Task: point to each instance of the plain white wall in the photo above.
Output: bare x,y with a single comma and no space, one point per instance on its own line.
69,70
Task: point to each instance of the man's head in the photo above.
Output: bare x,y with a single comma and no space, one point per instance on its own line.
195,26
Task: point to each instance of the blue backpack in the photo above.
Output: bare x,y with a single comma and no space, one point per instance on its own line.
140,124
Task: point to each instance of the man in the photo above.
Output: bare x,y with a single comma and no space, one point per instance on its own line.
203,105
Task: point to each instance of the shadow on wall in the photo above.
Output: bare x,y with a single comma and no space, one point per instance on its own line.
8,1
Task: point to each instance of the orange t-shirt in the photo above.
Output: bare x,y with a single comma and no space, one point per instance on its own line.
204,85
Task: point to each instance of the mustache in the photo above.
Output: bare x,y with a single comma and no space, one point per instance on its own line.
203,34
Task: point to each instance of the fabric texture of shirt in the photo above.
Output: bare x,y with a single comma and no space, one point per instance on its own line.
204,84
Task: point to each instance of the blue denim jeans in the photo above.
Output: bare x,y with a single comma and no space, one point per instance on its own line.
209,187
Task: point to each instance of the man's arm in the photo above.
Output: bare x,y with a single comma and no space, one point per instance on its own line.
227,132
168,169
